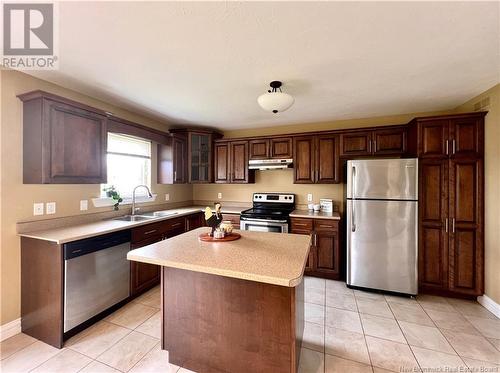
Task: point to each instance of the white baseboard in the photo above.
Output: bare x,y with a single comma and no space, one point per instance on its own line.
11,328
489,304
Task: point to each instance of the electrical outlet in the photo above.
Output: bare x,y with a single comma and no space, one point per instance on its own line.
84,205
167,197
219,195
51,207
309,197
38,209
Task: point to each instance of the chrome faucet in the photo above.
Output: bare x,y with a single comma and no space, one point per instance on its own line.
133,196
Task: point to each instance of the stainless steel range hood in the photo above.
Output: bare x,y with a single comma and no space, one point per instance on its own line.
269,164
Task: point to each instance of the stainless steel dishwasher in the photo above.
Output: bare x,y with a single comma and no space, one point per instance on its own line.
96,276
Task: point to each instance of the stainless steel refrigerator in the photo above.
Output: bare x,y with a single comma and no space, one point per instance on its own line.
382,208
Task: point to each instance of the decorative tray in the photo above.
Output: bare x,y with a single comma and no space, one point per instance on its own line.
230,237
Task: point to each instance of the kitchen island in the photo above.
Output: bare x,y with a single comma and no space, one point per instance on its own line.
231,306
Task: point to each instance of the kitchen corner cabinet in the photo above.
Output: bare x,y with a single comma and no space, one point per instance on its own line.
316,159
451,203
324,255
389,141
172,161
64,142
231,163
199,154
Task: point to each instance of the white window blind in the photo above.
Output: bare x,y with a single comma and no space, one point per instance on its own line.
129,163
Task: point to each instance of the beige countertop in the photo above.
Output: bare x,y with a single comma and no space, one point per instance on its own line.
315,215
78,232
272,258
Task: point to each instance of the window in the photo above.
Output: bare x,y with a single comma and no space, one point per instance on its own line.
129,164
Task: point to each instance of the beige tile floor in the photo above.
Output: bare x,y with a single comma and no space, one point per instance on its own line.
345,331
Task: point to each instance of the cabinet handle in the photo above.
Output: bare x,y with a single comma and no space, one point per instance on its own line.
446,225
374,146
151,231
370,146
301,224
453,146
453,225
176,224
325,226
447,147
175,175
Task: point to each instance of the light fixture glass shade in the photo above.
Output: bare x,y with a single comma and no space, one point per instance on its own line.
275,102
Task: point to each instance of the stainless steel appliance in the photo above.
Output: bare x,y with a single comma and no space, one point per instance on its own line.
270,213
381,224
96,276
269,164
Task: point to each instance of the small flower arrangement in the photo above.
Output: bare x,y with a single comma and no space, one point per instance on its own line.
111,192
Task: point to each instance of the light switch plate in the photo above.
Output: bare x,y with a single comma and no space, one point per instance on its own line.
84,205
219,195
167,197
309,197
51,207
38,209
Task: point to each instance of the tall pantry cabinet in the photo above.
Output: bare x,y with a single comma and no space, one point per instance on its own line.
451,202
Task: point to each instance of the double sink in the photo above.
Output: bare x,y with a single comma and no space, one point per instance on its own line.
146,216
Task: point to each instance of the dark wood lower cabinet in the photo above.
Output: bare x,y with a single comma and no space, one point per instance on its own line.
144,276
325,255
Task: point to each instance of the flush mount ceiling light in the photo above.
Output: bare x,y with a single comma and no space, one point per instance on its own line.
275,100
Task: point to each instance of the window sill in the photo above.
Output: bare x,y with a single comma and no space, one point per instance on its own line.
106,201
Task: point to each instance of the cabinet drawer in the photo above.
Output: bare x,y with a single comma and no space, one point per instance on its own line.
302,224
177,225
326,224
301,231
146,231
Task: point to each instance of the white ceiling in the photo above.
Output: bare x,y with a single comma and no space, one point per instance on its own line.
206,62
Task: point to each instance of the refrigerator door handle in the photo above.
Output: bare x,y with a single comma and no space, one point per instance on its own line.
353,184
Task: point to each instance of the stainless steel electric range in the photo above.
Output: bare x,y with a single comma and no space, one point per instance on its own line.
270,213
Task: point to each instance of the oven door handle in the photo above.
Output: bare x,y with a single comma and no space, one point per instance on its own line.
251,220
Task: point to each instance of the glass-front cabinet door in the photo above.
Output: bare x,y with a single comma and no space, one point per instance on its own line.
200,157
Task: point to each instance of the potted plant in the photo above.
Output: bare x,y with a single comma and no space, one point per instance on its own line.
111,192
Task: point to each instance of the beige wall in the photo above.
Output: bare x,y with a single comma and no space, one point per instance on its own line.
491,188
17,199
267,181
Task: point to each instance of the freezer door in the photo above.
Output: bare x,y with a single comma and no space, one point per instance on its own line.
383,179
382,245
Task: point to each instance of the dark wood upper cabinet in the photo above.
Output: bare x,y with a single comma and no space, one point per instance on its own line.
239,162
64,142
199,155
231,162
467,137
316,159
278,148
356,144
433,139
259,149
389,141
221,160
281,147
172,161
327,159
303,160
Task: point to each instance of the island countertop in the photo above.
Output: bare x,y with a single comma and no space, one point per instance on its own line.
272,258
